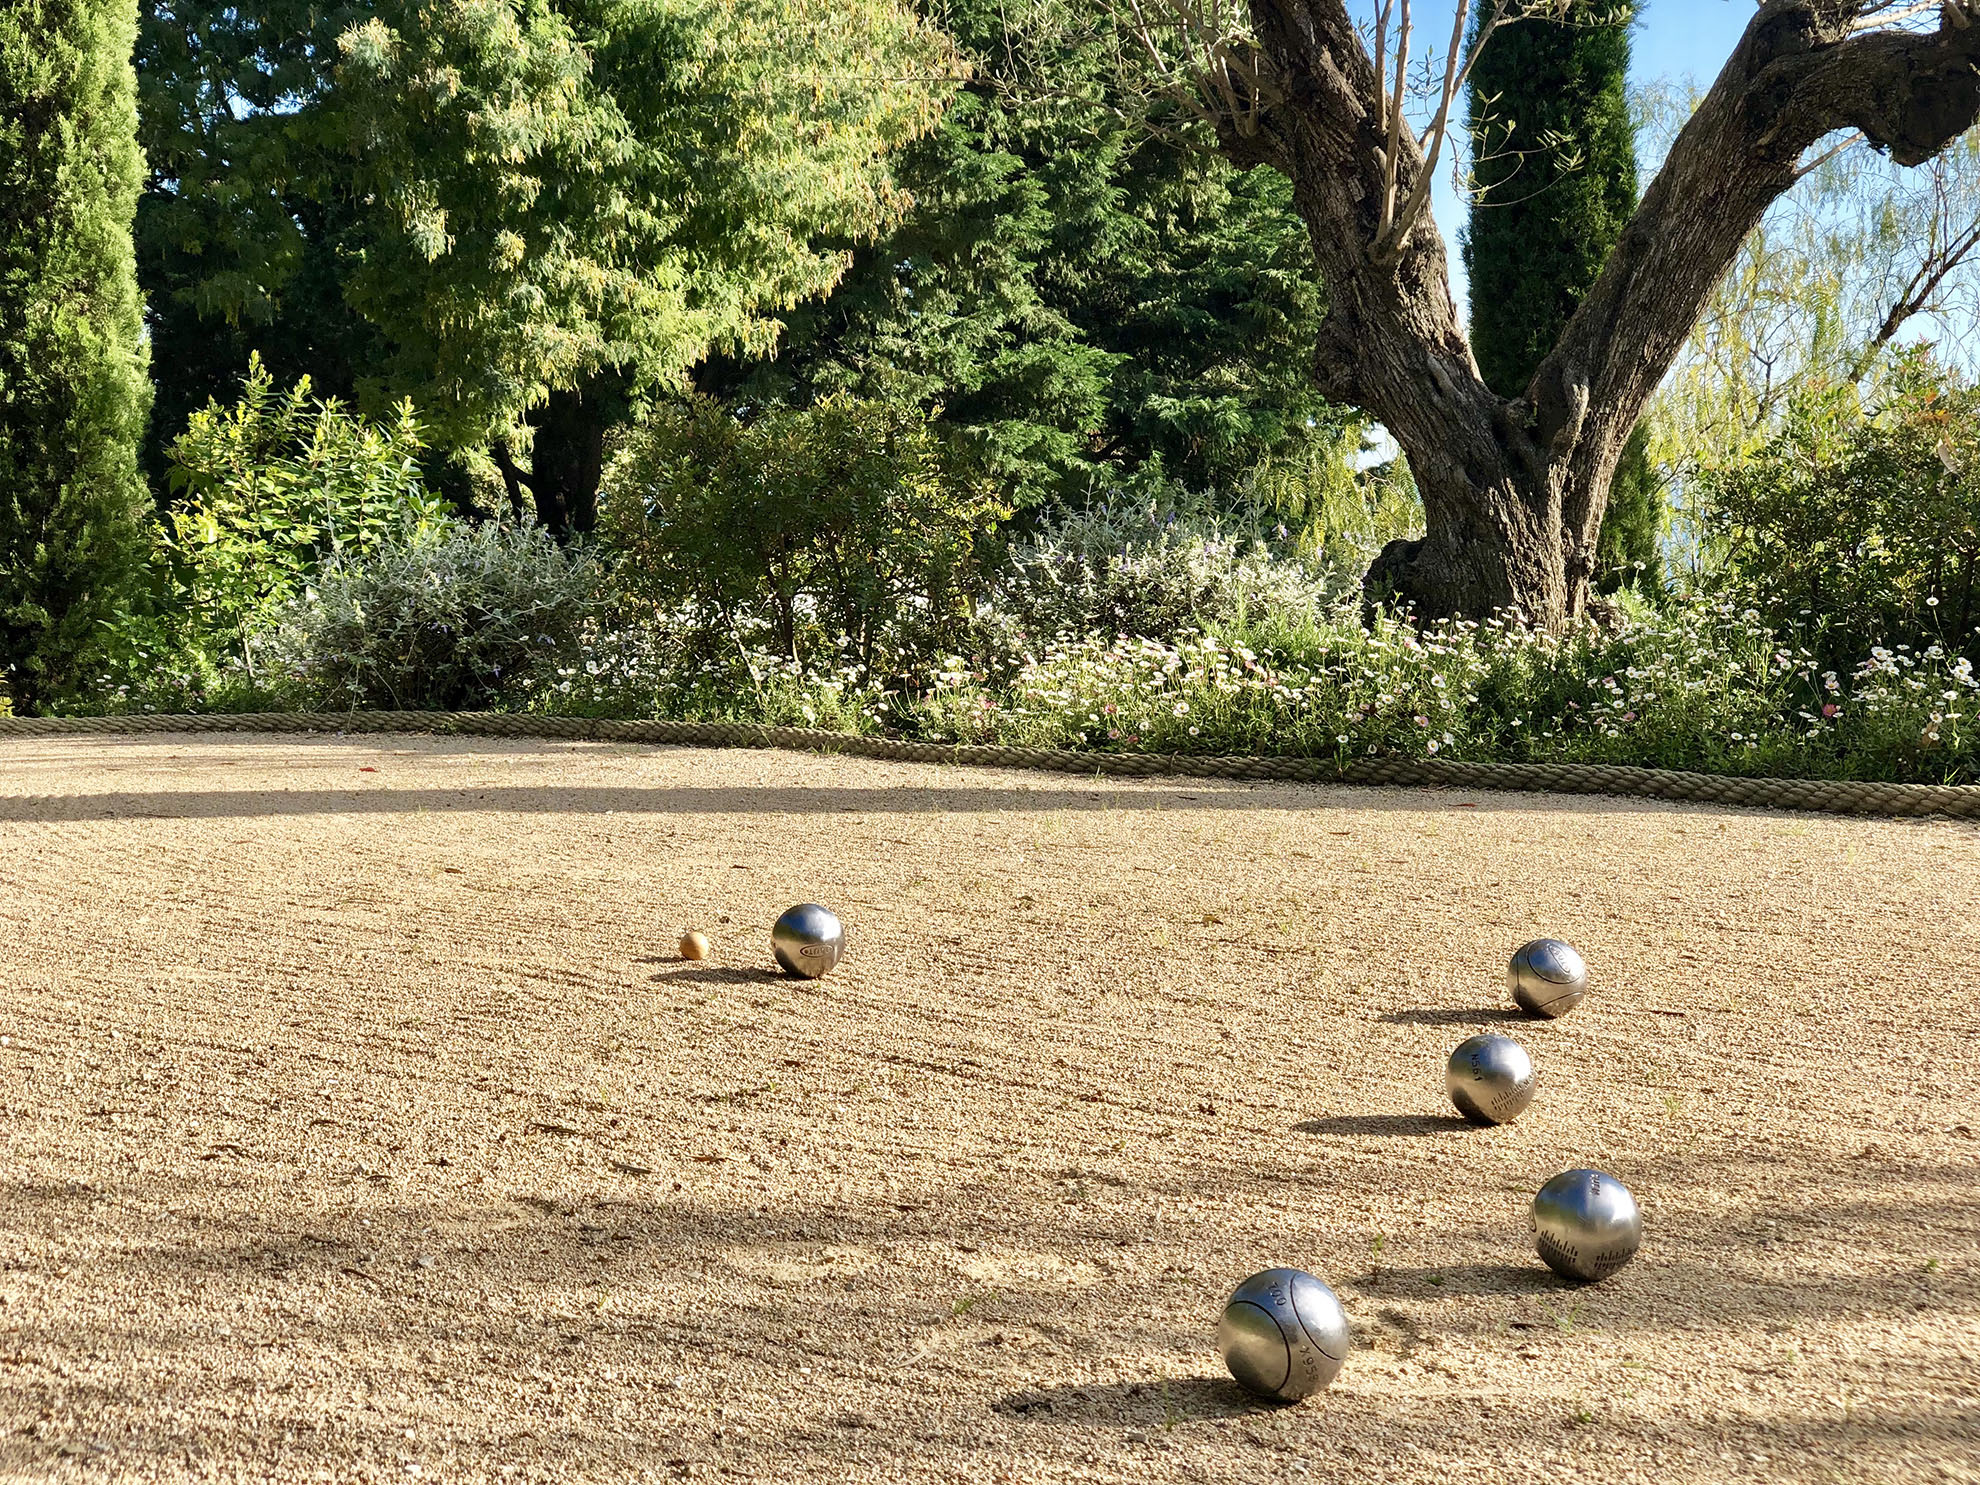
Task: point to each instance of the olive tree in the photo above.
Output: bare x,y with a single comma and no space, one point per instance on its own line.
1514,486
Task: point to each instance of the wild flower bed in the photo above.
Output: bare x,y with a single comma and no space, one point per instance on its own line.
1706,688
1703,688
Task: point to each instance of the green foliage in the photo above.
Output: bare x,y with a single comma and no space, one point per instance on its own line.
1865,520
72,362
848,527
1704,688
443,618
1696,685
1334,510
1860,260
1629,552
273,488
477,205
1082,285
1554,172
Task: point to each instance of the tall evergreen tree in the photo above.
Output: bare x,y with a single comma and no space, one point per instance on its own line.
72,386
1082,285
1554,170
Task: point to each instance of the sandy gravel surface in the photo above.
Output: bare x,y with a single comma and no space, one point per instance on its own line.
360,1124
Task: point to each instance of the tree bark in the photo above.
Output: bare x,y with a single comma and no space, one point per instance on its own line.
1514,488
567,461
567,457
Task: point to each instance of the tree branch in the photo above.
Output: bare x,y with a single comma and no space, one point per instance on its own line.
1799,73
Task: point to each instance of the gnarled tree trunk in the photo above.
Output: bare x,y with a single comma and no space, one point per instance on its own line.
567,457
1514,488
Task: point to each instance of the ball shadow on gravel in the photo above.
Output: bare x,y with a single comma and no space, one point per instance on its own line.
1159,1404
715,974
1466,1278
1384,1125
1459,1017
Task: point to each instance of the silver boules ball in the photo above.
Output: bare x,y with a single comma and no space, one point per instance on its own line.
1283,1334
1586,1224
1490,1079
1547,978
807,941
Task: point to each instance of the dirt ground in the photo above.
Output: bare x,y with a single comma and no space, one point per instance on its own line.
360,1124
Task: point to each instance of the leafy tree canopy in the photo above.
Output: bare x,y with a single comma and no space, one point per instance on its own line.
481,203
1082,283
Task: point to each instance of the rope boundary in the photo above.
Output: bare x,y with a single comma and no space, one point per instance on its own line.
1825,796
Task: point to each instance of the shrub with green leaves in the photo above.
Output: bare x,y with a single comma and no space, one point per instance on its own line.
1706,688
445,618
849,528
1336,508
1864,521
270,490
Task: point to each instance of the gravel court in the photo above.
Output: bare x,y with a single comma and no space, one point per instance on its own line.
362,1124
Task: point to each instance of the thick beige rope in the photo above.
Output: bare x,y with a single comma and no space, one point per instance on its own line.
1832,796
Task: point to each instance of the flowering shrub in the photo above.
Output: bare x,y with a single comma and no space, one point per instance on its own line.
1709,690
640,672
1865,518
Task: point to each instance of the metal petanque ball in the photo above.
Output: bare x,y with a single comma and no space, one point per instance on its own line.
1283,1334
1547,978
1586,1224
807,941
1490,1079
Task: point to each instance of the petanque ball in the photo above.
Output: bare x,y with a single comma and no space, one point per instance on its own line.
1586,1224
694,945
1283,1334
1547,978
807,941
1490,1079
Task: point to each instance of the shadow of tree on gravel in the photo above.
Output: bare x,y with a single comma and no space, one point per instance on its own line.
906,798
501,1296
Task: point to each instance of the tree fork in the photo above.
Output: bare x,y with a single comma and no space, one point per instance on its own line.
1514,489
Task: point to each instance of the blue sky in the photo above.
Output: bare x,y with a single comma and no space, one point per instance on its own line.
1674,40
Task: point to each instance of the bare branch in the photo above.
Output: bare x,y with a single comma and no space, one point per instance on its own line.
1799,74
1810,167
1382,45
1456,75
1391,154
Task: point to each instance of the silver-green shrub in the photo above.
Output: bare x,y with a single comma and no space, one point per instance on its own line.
1131,568
448,619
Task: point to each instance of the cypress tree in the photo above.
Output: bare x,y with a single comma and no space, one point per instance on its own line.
1554,176
73,394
